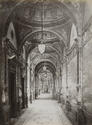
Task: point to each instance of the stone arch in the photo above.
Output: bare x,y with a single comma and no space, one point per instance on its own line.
53,32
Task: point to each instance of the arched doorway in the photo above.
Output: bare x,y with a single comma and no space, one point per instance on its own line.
45,74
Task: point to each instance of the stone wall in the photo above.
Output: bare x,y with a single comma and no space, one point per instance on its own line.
87,75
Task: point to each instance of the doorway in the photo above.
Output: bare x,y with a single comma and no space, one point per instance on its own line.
12,94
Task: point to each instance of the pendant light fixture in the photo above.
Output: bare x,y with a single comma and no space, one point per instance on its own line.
41,46
44,68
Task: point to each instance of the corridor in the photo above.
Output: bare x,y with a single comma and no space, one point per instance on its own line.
45,47
44,111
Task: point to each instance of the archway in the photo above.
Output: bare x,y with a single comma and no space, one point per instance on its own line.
45,74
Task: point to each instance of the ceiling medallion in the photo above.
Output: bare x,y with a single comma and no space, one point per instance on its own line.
41,48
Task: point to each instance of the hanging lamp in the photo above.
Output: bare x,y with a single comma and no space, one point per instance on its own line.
41,46
44,68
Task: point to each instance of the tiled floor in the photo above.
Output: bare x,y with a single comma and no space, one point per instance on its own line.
44,111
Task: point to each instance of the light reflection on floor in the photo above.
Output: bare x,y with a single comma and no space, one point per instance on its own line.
44,111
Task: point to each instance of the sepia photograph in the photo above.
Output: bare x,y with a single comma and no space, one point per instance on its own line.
45,62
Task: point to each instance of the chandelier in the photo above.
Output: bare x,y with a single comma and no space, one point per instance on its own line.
44,68
41,46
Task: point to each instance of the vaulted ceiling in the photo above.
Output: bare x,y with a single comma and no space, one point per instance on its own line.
55,16
57,20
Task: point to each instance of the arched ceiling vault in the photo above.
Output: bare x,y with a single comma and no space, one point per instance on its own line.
46,55
69,6
50,53
28,37
39,60
58,17
48,65
48,50
30,11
